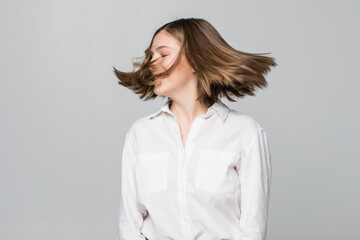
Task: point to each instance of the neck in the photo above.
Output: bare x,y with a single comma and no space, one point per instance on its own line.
187,111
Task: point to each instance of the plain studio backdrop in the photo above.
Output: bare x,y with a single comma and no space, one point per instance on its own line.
63,116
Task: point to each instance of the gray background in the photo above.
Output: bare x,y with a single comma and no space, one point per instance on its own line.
63,117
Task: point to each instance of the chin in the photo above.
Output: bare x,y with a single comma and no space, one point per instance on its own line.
160,93
161,90
158,90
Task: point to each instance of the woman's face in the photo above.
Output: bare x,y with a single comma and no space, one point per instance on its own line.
165,49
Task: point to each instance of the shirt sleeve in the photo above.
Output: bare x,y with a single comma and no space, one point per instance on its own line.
255,180
130,216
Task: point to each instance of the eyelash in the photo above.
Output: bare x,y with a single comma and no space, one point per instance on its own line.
161,55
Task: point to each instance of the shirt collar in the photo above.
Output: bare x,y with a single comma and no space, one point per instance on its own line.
218,107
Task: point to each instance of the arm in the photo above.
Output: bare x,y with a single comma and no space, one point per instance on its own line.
255,180
130,217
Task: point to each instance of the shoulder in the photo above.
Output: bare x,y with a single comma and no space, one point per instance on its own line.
140,125
131,132
244,123
137,124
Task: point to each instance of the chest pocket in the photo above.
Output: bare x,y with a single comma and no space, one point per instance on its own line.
151,172
215,173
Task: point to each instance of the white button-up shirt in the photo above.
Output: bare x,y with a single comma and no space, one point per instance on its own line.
217,187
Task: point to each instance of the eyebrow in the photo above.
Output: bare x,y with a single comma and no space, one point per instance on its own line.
159,47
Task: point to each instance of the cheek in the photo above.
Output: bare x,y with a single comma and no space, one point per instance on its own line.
182,69
180,76
183,65
168,61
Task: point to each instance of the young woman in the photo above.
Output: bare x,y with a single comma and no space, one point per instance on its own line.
195,169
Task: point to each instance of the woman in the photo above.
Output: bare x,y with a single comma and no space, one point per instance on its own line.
195,169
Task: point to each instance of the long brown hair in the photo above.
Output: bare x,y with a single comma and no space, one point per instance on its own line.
221,69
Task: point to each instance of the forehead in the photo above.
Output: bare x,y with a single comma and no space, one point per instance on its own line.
164,38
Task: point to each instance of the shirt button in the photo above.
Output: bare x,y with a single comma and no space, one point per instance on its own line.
182,163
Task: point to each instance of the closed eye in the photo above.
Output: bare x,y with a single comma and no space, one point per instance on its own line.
161,56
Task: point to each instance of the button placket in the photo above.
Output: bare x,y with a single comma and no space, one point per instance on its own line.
182,176
195,129
182,180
